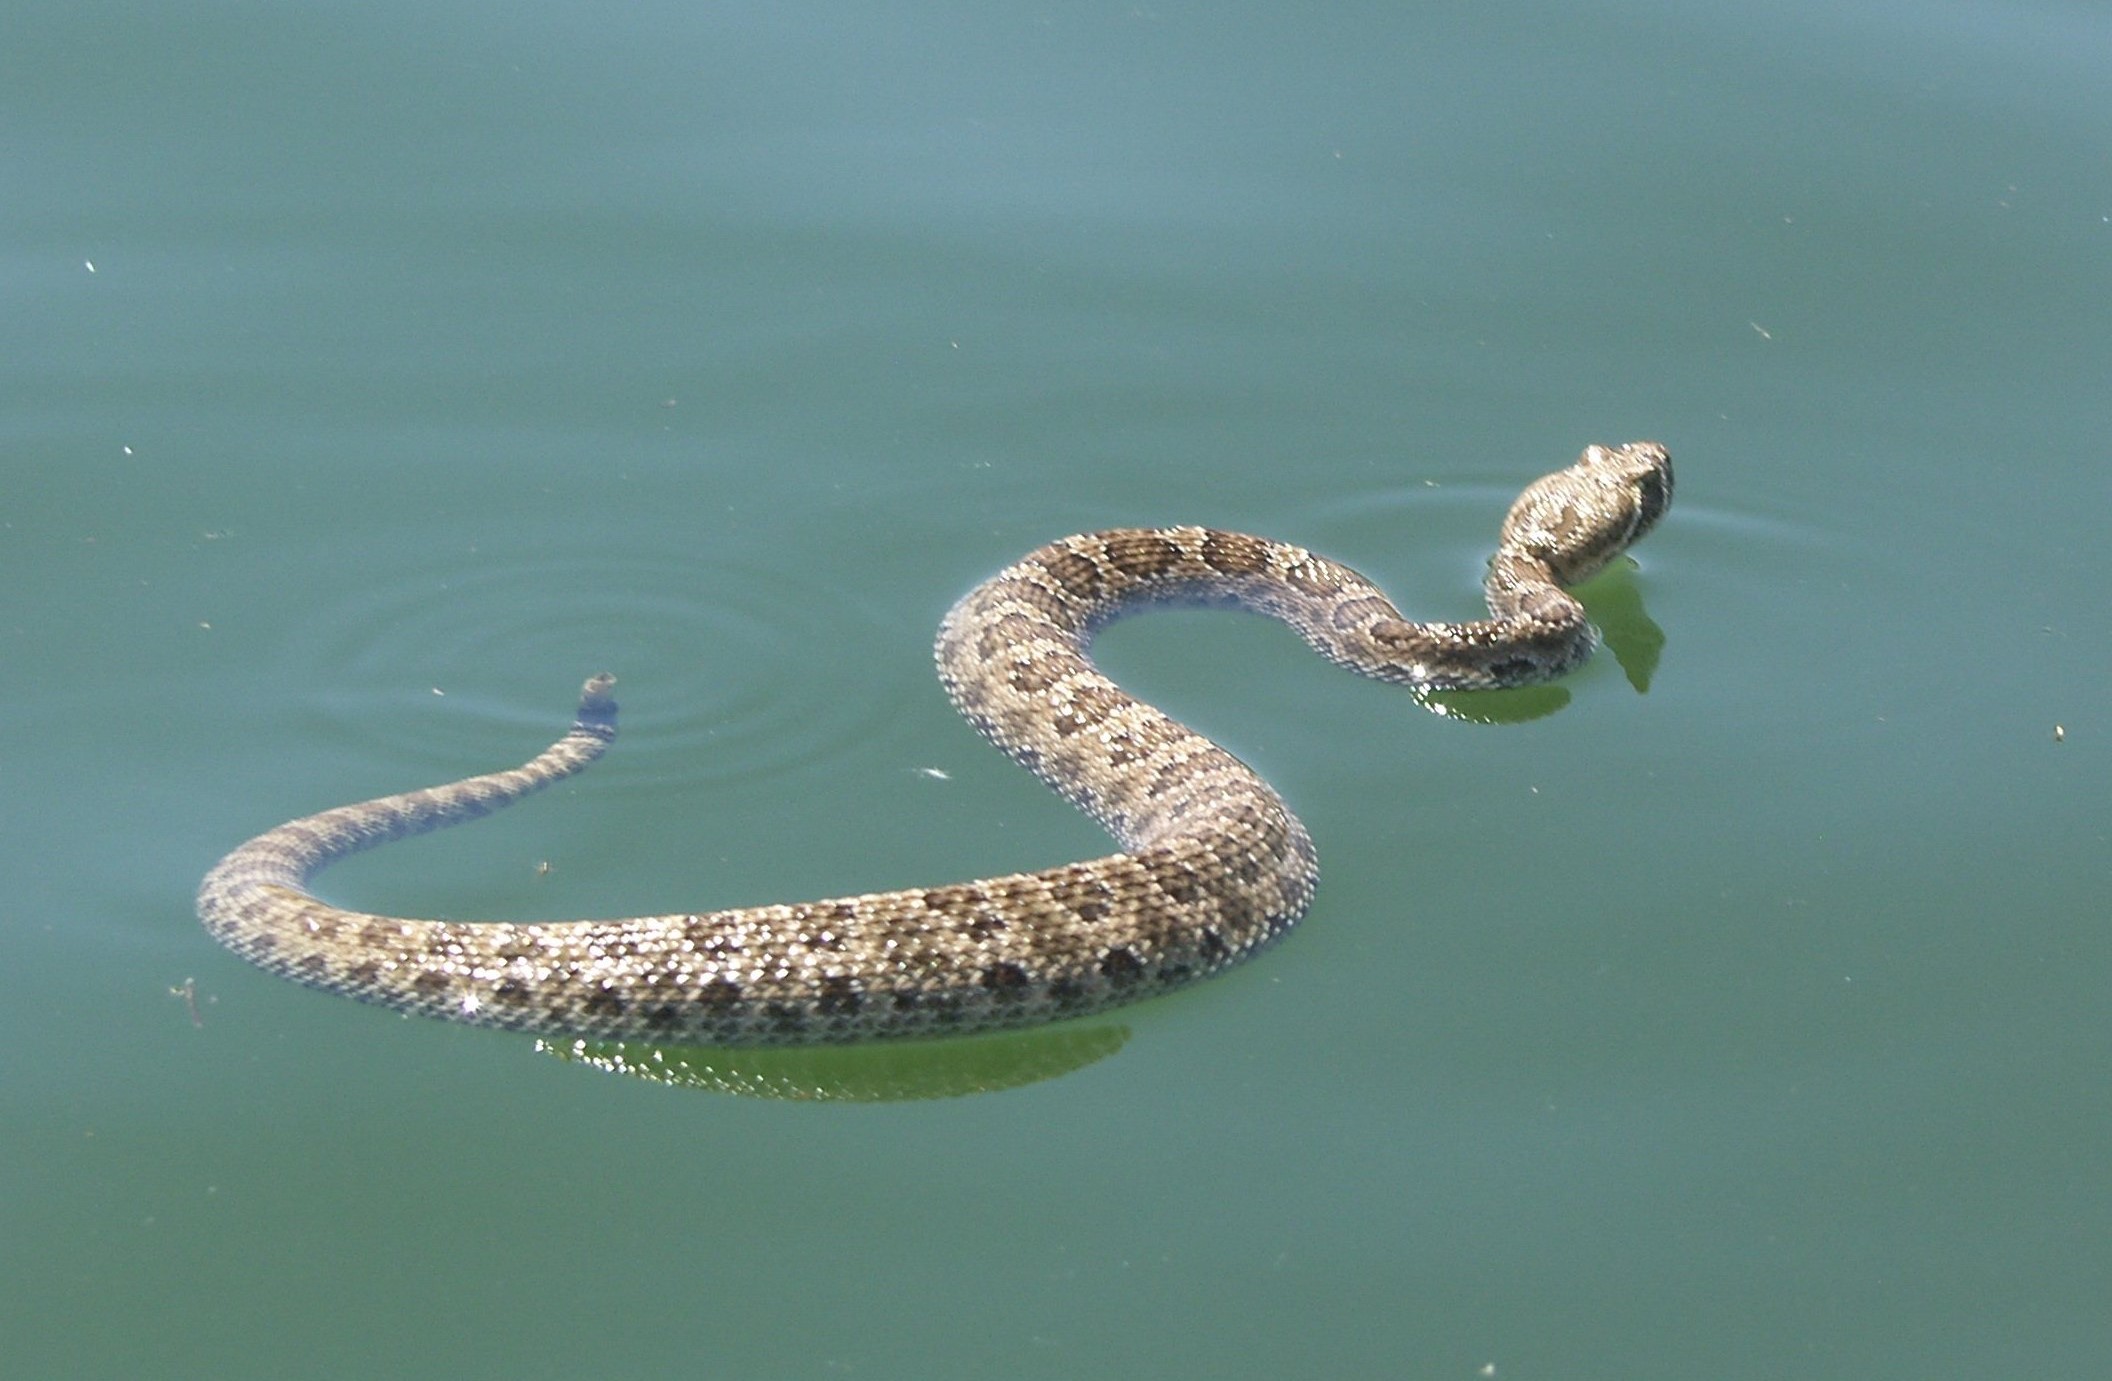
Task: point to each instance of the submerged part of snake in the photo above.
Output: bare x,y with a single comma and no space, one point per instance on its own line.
1213,866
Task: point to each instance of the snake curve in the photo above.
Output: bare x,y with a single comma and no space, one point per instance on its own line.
1213,865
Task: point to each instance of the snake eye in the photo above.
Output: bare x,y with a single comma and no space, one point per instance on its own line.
1656,493
1653,485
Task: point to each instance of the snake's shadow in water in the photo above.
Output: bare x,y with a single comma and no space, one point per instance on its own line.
914,1070
880,1072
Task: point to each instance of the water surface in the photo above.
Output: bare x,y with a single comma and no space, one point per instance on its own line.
373,375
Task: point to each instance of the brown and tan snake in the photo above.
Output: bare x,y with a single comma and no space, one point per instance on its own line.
1212,865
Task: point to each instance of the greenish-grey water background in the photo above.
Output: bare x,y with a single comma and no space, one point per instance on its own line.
1755,1026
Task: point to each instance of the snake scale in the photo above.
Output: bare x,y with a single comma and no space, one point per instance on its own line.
1213,865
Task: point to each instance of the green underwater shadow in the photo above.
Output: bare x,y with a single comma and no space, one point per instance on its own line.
879,1072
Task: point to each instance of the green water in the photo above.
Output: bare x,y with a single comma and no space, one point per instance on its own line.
373,374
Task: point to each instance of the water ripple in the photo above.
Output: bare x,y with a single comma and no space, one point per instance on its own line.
725,672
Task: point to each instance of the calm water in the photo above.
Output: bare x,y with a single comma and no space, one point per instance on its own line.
372,374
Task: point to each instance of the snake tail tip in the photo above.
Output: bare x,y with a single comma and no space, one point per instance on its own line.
597,708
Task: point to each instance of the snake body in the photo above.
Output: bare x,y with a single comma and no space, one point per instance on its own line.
1212,865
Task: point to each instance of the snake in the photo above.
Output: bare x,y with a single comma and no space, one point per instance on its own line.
1212,867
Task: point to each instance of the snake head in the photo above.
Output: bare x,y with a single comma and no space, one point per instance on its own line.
1579,519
